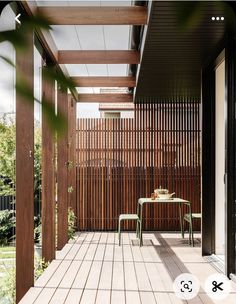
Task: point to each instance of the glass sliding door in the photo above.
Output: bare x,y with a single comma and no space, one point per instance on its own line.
220,156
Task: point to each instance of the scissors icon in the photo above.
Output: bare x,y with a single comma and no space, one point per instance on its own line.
217,286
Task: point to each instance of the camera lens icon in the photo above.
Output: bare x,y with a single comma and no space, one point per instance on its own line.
186,286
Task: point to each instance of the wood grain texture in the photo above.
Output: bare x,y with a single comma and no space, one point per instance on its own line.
134,15
98,57
48,175
120,160
24,174
62,175
103,98
72,155
102,81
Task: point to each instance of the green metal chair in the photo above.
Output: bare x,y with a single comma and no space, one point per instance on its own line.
189,217
128,217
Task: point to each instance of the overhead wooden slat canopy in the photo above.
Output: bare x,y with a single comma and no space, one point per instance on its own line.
103,98
135,15
102,81
98,57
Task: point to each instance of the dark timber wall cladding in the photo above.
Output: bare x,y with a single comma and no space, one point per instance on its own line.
120,160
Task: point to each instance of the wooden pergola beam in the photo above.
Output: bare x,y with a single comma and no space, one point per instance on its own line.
91,81
62,174
98,57
103,98
77,15
72,153
48,175
25,171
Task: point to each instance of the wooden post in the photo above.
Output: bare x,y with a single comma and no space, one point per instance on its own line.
62,175
48,175
24,173
72,153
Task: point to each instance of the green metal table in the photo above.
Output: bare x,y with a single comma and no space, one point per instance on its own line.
143,201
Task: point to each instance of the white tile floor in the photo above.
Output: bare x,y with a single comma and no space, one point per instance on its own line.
94,269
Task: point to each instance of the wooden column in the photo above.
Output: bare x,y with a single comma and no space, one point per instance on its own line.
24,173
48,175
62,175
72,153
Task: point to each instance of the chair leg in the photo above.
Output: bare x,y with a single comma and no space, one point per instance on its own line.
137,229
140,234
119,232
189,233
191,230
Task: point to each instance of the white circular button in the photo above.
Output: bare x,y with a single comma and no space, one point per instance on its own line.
213,18
186,286
217,286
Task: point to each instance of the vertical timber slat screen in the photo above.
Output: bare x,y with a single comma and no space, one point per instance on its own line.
120,160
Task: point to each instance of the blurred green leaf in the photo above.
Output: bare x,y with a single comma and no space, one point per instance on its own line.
64,82
18,38
24,90
8,60
35,22
56,122
188,14
15,37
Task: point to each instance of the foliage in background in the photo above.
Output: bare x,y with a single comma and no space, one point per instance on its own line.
7,158
8,283
71,224
7,288
37,230
39,266
8,178
37,165
7,222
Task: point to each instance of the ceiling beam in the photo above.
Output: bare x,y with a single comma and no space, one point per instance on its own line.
98,57
103,98
96,81
105,15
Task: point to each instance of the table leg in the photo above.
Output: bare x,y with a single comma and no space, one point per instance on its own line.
181,220
191,225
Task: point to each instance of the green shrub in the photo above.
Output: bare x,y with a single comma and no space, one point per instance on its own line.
8,282
71,224
7,222
37,230
8,286
39,266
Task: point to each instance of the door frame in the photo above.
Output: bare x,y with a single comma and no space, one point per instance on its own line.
208,154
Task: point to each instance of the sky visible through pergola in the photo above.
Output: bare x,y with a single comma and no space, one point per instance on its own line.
70,37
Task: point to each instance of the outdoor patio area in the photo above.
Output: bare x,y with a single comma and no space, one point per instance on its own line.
94,269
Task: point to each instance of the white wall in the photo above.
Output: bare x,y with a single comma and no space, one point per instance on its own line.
7,72
220,159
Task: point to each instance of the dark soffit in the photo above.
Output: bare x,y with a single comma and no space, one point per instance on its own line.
174,54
